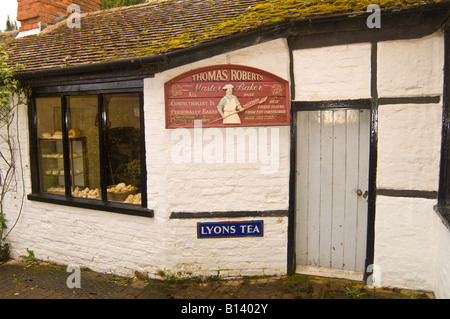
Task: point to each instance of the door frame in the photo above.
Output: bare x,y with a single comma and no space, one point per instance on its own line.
297,106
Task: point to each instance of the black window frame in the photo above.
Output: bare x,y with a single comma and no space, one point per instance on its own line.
99,89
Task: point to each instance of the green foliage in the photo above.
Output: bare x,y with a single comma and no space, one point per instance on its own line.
353,293
4,252
11,95
30,257
8,87
106,4
10,26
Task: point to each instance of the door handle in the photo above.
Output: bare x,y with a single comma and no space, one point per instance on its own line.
360,193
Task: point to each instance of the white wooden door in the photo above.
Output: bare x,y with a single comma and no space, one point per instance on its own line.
331,192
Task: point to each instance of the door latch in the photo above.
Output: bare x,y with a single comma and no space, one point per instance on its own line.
360,193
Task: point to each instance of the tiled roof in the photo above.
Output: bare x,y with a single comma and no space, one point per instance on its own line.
8,35
166,25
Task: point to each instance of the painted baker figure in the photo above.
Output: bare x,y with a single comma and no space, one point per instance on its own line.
227,106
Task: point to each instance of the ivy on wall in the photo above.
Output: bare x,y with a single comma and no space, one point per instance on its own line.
11,96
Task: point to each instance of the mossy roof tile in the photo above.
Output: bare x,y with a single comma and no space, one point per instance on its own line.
166,25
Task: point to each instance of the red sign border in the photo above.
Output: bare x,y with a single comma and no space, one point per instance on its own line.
284,82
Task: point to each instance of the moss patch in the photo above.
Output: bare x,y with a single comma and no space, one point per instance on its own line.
169,25
270,13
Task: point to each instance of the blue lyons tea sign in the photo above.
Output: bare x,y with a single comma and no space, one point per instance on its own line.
253,228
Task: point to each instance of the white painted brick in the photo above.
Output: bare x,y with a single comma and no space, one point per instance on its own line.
442,268
409,144
106,241
405,245
212,187
335,72
411,67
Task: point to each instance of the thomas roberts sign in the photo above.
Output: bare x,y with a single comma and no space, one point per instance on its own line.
227,95
253,228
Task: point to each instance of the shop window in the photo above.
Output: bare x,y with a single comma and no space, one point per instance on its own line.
84,150
89,147
123,148
50,146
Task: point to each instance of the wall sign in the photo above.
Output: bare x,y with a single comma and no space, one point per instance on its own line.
253,228
227,95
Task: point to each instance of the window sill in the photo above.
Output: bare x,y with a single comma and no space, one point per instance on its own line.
444,214
113,207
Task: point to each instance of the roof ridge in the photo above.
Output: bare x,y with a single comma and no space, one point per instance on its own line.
122,7
57,23
5,33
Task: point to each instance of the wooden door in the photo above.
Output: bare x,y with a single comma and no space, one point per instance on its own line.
332,169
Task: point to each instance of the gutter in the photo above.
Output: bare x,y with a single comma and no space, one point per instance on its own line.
134,63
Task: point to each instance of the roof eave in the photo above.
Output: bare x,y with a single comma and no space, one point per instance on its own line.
133,63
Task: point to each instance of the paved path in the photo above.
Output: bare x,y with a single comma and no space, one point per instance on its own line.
42,280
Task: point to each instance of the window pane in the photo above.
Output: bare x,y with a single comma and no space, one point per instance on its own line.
123,147
84,152
50,147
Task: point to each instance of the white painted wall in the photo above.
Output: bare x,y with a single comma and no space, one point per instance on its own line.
331,73
411,246
197,187
405,242
409,146
121,244
442,267
200,187
411,67
411,242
